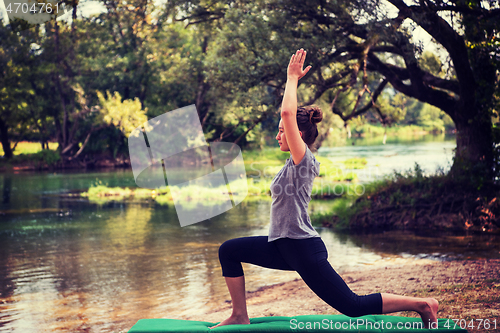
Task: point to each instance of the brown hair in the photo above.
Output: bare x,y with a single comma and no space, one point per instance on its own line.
307,118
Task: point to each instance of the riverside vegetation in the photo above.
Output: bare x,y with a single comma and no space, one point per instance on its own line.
412,200
260,166
408,200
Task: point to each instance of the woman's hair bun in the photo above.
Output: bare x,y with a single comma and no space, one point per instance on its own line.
307,118
315,114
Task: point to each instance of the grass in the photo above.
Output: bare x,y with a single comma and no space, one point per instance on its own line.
399,130
261,167
413,200
369,134
267,162
258,188
338,210
345,206
271,155
471,303
25,147
356,163
31,154
191,195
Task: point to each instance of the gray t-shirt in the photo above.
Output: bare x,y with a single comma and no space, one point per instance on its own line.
291,192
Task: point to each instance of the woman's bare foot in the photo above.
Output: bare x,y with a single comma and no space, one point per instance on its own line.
428,312
234,320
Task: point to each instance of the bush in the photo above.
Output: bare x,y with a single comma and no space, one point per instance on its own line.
46,157
40,160
413,200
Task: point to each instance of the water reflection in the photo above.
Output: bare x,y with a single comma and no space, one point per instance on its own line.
129,228
437,246
103,268
6,188
384,159
67,265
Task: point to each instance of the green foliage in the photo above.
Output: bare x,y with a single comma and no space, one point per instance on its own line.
404,116
414,200
356,163
30,147
339,216
263,163
267,162
101,193
17,96
175,58
434,120
404,110
431,63
48,157
373,134
191,195
230,59
125,115
40,160
102,190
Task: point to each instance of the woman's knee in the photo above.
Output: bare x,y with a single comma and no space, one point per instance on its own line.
227,248
231,265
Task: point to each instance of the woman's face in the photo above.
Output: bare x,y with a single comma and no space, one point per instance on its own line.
281,137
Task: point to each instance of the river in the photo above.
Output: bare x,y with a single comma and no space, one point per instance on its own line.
70,265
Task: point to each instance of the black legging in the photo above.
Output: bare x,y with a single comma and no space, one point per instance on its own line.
308,258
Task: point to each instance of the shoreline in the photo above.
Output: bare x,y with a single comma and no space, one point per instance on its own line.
421,278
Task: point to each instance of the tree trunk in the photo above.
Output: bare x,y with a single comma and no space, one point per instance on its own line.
4,138
202,105
474,153
474,158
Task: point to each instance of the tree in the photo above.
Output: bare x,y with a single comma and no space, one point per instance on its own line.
17,57
466,96
361,37
125,116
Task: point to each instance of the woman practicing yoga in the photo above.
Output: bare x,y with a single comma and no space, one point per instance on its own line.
293,244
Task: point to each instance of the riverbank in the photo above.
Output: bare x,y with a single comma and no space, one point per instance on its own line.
28,156
467,289
414,201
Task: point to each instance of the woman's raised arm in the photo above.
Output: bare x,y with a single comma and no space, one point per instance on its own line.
295,72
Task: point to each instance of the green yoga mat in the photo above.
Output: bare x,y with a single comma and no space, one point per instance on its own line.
310,323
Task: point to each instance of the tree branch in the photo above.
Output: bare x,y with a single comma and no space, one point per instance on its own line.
438,98
374,98
324,85
201,17
480,13
438,28
92,130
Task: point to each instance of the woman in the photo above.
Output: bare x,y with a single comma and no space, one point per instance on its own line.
293,244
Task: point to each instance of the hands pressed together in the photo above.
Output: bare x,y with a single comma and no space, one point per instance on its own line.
295,67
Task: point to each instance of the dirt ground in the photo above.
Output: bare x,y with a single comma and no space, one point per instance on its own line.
468,289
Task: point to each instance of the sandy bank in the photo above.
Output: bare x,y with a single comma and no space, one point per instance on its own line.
295,298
